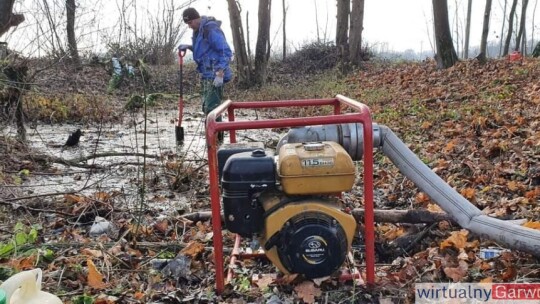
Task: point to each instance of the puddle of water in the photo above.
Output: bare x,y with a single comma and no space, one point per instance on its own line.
125,171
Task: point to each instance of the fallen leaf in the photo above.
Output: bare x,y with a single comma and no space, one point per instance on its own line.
115,250
513,186
457,239
265,280
394,233
509,274
457,273
193,249
307,291
468,193
434,208
532,224
138,295
92,252
450,146
24,263
421,197
426,125
162,226
485,266
72,199
533,194
95,278
102,196
140,229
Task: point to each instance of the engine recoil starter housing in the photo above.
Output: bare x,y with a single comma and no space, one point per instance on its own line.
311,237
317,245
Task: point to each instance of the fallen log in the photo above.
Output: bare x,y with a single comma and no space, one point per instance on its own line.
404,216
383,216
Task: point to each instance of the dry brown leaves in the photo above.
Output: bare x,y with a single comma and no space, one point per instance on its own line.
307,291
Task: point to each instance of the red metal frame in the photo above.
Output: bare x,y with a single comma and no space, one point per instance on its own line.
213,127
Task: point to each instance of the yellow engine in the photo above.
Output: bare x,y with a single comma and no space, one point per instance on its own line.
289,203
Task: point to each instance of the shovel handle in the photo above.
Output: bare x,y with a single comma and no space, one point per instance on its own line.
181,54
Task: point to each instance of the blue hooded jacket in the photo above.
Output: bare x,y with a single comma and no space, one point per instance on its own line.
210,49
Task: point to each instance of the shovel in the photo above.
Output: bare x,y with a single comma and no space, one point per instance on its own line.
179,130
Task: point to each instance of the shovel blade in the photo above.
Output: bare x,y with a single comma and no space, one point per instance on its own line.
179,131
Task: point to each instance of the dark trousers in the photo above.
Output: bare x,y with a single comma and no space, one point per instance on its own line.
211,99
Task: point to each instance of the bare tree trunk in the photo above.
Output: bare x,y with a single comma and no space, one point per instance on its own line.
357,26
70,28
250,57
524,42
262,48
446,54
342,22
510,28
467,30
342,27
7,18
520,35
317,21
485,31
342,33
242,60
456,30
16,75
502,28
284,29
533,24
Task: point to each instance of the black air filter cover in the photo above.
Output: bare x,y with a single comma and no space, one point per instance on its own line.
245,176
227,150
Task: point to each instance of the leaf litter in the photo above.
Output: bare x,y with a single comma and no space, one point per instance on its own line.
477,126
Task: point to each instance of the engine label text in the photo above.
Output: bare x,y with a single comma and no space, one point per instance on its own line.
317,162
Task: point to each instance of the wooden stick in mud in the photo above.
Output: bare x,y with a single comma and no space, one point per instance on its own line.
76,162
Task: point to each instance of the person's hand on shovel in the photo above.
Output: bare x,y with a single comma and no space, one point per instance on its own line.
184,47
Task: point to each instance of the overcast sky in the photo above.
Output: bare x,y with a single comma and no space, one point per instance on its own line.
389,25
397,24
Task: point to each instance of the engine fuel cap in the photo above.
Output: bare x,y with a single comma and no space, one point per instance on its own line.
258,153
314,146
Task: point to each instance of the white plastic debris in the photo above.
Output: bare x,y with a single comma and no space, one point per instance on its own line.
101,226
117,67
491,252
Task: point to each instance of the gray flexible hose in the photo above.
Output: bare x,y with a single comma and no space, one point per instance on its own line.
460,209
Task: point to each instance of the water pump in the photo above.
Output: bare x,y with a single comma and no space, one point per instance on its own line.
290,203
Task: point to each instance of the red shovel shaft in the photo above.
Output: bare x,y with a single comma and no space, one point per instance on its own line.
179,131
181,55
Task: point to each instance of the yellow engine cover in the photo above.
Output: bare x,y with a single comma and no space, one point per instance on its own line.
276,220
315,168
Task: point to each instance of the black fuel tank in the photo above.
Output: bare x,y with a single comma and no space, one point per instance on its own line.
245,176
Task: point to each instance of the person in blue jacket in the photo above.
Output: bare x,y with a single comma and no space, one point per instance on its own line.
212,55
